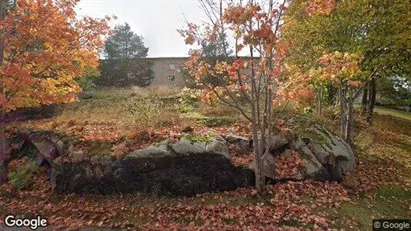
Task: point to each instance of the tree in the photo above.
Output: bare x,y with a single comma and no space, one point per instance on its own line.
343,72
126,62
212,50
46,47
369,28
251,84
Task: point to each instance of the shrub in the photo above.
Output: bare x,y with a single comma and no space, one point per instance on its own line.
87,82
23,177
190,99
308,110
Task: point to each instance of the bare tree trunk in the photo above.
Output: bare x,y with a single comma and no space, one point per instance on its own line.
332,95
342,111
371,102
257,141
319,101
364,102
256,123
3,152
349,121
3,157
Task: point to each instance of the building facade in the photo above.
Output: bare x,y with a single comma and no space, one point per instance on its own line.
167,71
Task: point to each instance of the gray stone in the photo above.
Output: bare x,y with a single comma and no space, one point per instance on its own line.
218,146
164,145
278,141
339,148
153,170
325,156
77,156
242,145
150,152
332,152
314,169
45,148
188,147
46,151
102,159
268,165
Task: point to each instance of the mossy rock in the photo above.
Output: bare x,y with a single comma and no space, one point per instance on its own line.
99,149
24,177
197,138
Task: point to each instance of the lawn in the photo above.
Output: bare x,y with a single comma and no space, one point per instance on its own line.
380,186
393,112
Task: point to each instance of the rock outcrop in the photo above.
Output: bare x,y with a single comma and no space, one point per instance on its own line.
324,155
189,166
183,167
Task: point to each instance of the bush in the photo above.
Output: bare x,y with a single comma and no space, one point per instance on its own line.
23,177
308,110
87,82
190,99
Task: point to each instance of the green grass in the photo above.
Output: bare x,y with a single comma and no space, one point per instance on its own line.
388,203
393,112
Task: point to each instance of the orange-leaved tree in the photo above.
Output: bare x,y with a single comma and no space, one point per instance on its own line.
342,71
249,84
45,47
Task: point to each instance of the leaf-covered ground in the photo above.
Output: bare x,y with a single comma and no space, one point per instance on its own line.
380,187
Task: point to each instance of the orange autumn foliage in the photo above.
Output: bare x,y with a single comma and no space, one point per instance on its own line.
46,48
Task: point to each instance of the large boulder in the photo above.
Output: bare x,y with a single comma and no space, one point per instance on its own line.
218,145
241,144
313,168
184,167
332,151
324,155
42,146
186,146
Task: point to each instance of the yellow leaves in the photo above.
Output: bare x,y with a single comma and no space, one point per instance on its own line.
336,67
220,67
320,7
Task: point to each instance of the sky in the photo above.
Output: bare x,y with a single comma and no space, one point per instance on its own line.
156,20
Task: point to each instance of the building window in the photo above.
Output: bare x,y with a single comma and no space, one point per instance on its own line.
172,66
171,78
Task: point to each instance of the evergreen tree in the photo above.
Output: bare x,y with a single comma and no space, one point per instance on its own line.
125,61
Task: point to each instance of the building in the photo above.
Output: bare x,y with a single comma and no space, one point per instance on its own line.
167,70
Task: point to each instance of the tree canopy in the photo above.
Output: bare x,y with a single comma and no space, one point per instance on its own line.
378,31
46,47
125,62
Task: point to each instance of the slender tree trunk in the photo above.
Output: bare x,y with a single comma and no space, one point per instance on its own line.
331,96
364,103
349,121
3,157
342,111
256,123
3,153
372,99
257,141
319,101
